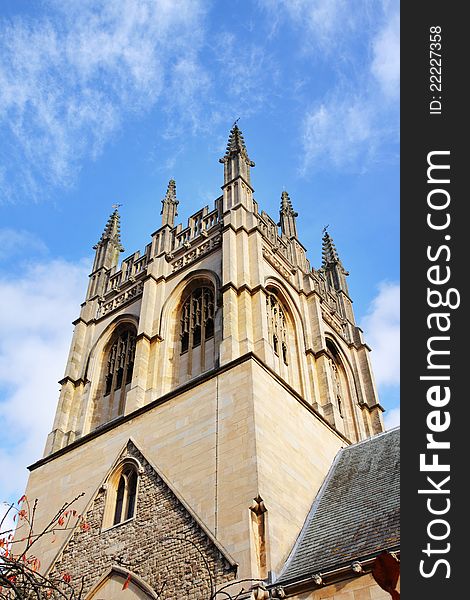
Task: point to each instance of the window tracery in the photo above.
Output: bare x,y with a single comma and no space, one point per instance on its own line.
119,368
277,327
197,318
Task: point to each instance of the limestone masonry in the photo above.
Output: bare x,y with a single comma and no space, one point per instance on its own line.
211,382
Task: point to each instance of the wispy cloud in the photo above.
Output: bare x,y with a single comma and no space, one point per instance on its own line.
68,79
35,336
327,25
14,242
392,418
349,127
341,132
382,328
386,59
248,74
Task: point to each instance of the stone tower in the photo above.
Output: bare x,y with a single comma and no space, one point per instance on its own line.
220,358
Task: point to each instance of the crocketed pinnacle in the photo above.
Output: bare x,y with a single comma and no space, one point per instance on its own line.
286,205
169,205
236,145
329,252
111,232
170,195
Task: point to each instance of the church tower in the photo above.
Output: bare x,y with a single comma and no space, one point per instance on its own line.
217,363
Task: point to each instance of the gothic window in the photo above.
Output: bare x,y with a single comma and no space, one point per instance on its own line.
337,386
197,318
121,495
277,327
125,495
118,370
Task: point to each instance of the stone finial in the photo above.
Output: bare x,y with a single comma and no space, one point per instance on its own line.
286,205
257,506
287,216
237,177
107,253
236,146
170,205
332,265
112,232
329,252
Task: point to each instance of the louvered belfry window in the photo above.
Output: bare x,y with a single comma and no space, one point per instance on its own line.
119,366
197,318
277,327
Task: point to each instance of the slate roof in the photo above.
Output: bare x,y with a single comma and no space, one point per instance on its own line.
357,511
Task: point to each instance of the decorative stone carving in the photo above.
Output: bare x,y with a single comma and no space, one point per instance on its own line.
120,299
276,263
197,253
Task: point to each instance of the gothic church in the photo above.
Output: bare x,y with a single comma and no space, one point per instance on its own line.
219,412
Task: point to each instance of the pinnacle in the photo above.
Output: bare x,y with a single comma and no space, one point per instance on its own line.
236,145
329,252
169,205
286,205
112,231
170,195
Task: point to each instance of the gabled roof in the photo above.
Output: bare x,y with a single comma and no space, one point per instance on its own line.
356,514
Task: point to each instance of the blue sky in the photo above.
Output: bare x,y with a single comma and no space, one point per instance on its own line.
102,102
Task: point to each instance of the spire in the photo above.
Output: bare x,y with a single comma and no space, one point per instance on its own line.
236,145
236,161
169,205
109,245
331,264
329,252
287,216
111,232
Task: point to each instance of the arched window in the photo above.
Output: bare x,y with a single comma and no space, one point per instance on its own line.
277,327
197,318
341,396
126,495
121,495
119,365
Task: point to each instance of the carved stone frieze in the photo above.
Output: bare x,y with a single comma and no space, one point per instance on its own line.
197,252
126,296
277,264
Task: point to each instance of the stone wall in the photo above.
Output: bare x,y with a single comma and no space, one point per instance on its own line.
163,544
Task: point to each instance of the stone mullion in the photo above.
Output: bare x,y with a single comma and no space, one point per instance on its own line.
122,395
113,384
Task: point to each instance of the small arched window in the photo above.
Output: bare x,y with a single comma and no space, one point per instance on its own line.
121,495
126,495
197,318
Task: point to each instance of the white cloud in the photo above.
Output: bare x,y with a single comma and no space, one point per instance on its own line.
35,325
350,125
68,79
326,23
248,74
392,418
382,331
342,132
14,242
386,61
